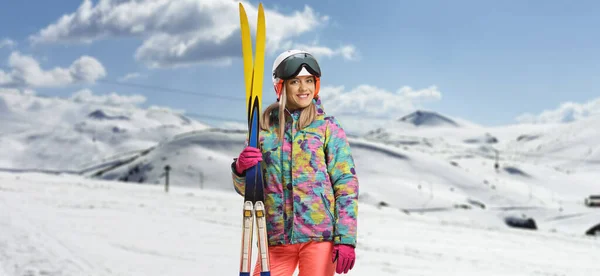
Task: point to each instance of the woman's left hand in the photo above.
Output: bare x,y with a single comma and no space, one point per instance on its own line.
345,257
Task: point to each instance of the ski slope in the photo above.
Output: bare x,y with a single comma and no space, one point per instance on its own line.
424,163
84,183
70,226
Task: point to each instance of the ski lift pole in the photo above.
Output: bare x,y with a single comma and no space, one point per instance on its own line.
167,169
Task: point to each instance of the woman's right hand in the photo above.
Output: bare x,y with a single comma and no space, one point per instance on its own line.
249,157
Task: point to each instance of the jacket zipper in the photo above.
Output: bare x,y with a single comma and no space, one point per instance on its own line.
290,177
331,217
292,169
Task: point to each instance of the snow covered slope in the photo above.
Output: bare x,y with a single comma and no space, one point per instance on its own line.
197,159
70,226
517,171
444,171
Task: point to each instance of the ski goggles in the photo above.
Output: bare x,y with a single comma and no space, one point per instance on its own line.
291,66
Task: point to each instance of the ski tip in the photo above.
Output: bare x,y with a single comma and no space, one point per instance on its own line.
261,27
241,7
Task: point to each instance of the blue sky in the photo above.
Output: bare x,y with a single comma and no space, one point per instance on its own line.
485,62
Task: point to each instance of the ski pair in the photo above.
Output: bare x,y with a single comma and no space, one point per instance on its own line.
254,208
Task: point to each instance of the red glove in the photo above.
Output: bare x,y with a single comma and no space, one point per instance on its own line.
249,157
345,258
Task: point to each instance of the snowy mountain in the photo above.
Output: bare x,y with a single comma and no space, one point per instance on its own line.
60,134
427,118
534,176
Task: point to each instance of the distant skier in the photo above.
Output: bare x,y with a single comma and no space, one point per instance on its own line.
311,187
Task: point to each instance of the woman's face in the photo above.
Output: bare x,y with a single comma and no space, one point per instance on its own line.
300,91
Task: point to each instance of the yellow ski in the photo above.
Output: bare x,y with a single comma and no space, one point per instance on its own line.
246,55
253,208
259,61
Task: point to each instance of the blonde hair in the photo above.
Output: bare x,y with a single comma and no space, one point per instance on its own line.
307,115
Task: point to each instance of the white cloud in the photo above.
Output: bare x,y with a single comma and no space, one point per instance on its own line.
367,100
16,91
165,109
130,76
182,32
13,91
27,72
112,99
7,43
87,69
566,112
233,125
430,93
347,52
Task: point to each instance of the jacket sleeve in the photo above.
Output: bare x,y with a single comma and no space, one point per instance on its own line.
239,180
342,172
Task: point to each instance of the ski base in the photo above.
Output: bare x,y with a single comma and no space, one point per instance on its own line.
254,212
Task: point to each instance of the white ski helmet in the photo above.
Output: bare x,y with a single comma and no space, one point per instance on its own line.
292,63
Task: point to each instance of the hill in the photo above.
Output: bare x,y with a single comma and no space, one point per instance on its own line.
484,175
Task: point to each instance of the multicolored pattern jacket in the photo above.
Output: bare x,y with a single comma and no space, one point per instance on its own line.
311,187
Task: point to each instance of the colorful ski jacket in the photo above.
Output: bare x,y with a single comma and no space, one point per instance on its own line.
311,187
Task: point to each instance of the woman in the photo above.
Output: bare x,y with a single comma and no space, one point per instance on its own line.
311,188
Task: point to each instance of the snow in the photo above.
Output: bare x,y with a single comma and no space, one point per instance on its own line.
70,225
427,118
86,194
60,134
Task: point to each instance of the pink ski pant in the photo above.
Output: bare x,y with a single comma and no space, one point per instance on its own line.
311,258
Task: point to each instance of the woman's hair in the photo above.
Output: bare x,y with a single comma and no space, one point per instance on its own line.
307,115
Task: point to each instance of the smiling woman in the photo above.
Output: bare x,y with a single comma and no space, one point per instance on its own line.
311,187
